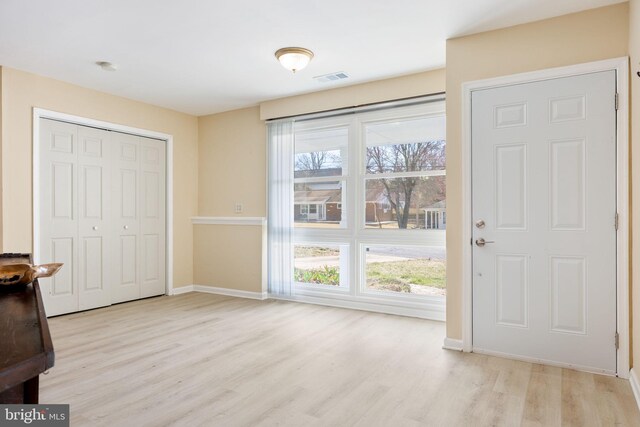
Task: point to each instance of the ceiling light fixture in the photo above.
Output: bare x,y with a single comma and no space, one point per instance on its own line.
106,65
294,58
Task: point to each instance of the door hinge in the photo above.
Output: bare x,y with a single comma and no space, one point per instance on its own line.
617,340
617,101
616,221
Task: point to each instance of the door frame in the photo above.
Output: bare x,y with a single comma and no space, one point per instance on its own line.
621,66
40,113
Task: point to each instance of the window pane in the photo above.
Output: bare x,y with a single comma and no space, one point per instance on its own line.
320,153
406,145
406,269
406,203
318,204
317,265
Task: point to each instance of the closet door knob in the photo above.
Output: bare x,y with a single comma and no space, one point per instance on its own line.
95,227
126,227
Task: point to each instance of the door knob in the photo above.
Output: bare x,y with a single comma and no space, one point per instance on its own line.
481,242
95,228
126,227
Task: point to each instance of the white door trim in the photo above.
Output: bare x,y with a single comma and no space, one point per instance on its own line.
621,66
39,113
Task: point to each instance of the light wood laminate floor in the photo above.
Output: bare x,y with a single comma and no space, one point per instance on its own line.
200,359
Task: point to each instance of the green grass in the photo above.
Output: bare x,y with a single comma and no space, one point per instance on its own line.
319,276
394,276
397,276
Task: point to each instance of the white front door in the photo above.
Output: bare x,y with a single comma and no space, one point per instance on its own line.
544,201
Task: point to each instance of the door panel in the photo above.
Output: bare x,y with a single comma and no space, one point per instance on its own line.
512,296
511,188
152,223
63,283
92,260
568,295
92,191
62,190
57,216
128,193
544,183
129,260
126,220
152,258
94,223
151,193
567,184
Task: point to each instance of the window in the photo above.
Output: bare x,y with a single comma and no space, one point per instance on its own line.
369,207
405,172
417,270
320,157
320,265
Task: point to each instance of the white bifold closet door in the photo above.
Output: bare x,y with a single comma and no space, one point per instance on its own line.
139,217
102,214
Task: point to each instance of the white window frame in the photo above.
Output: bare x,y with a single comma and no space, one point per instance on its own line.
353,232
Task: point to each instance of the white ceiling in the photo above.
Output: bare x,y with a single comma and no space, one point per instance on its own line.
207,56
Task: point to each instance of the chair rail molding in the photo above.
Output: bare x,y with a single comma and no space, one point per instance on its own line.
229,220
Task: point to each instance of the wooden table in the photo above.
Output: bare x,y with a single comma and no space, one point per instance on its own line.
26,349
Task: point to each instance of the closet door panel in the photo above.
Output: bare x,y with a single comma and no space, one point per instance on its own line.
57,214
126,218
152,224
94,218
92,271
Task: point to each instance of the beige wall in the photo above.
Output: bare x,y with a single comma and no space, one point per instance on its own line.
425,83
571,39
230,256
634,53
232,168
21,92
232,163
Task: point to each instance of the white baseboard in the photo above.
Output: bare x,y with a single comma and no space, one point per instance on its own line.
451,344
356,305
422,313
182,290
230,292
635,385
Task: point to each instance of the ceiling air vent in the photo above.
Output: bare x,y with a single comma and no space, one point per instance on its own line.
332,77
